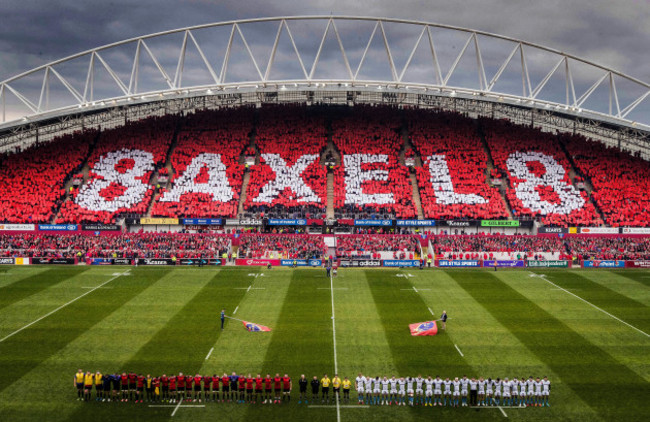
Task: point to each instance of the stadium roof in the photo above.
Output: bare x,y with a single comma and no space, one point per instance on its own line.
336,56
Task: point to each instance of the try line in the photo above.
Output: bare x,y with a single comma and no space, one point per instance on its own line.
63,306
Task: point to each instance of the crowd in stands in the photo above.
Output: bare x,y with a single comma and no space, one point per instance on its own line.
371,245
289,176
453,177
126,245
621,190
301,246
32,181
538,172
617,247
207,176
279,245
121,165
371,178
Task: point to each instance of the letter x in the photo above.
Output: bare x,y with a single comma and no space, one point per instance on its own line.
287,177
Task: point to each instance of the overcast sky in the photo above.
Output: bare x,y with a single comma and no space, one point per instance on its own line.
615,34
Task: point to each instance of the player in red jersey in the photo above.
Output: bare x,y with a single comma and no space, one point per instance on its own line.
258,387
189,380
268,382
197,387
172,389
140,388
124,386
242,389
164,381
180,387
249,387
208,382
225,387
277,388
286,387
133,378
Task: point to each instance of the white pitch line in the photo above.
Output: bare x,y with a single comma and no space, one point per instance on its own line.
235,311
336,365
60,307
176,408
502,411
174,405
461,353
343,406
209,353
596,307
91,287
430,310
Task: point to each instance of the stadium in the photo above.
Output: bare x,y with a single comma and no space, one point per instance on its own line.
328,190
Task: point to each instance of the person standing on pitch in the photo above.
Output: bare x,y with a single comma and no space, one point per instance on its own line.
443,318
223,317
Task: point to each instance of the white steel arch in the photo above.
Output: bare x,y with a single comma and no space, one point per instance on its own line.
31,96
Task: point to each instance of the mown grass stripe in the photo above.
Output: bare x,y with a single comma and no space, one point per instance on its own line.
629,310
21,289
179,346
594,376
27,349
301,344
640,276
130,326
396,314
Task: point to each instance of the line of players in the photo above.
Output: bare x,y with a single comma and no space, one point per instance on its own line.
438,392
174,388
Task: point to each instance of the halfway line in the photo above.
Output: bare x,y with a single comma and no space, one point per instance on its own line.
60,307
336,365
431,311
596,307
502,411
235,311
176,408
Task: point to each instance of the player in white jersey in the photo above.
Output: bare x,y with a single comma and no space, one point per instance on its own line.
515,391
456,391
530,387
497,390
546,391
359,384
384,390
376,390
507,398
538,392
419,392
429,391
393,390
401,383
464,383
481,391
368,389
489,391
437,391
447,384
522,392
409,389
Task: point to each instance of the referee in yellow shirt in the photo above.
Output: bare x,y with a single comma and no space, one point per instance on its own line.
88,385
346,390
336,383
79,383
325,389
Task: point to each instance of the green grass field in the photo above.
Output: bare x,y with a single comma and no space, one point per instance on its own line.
154,320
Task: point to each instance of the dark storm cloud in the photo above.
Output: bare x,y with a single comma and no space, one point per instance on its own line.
614,34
